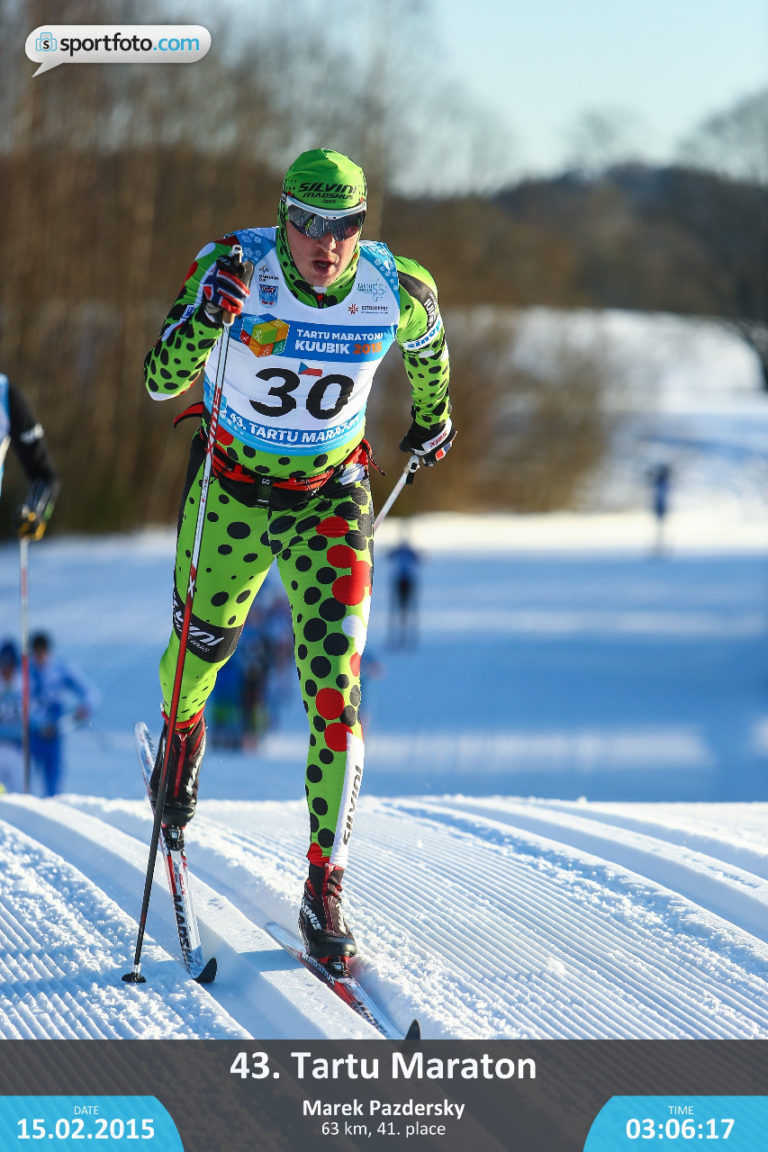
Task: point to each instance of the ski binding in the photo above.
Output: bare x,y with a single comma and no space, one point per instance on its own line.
336,975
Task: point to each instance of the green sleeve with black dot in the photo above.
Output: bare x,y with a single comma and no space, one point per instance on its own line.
187,336
421,337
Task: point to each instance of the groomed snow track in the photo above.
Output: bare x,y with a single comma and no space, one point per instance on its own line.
483,917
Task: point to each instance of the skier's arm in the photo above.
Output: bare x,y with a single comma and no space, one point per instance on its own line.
421,337
189,333
88,698
29,443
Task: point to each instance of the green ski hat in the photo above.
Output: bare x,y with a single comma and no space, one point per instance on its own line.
326,179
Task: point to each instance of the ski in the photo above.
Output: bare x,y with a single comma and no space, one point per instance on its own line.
341,981
177,871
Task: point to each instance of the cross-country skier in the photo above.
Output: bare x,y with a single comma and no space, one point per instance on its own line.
19,428
403,608
57,691
290,478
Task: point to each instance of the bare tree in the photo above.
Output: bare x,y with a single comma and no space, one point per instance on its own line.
734,142
734,145
603,137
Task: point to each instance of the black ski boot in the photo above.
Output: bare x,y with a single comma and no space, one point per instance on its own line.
187,748
326,933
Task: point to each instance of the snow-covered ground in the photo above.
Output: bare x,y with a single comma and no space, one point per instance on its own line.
563,824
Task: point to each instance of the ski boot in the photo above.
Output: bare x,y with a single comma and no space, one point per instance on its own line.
326,934
186,756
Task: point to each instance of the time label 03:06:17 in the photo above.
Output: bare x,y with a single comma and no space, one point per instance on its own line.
646,1128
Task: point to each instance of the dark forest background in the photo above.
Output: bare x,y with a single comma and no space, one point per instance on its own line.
112,178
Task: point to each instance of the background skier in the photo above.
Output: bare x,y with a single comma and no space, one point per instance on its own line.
290,478
403,604
19,428
660,478
57,693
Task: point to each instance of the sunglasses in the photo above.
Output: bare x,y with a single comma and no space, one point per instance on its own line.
312,223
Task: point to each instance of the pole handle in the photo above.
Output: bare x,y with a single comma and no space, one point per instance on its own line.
244,271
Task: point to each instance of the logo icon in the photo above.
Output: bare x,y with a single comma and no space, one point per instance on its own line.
352,309
46,42
263,335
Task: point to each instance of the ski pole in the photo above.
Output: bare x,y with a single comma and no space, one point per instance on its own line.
407,478
24,596
134,976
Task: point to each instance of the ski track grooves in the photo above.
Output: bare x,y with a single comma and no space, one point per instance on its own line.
587,933
612,972
726,890
603,922
279,993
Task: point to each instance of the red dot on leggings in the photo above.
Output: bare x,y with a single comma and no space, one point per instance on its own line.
341,556
353,589
354,663
333,526
336,737
329,703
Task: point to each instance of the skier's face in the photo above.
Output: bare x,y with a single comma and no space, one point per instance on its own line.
320,261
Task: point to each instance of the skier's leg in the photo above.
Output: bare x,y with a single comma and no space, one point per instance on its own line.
234,560
45,752
55,765
325,561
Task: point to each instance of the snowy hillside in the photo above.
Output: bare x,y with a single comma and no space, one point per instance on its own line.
680,390
610,676
563,830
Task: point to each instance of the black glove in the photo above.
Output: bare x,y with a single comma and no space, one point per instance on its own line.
33,515
429,444
227,287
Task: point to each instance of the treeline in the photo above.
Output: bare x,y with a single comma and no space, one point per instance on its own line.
97,245
673,239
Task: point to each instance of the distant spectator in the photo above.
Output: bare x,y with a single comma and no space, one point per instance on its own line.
239,709
11,757
278,627
57,693
257,658
660,477
403,605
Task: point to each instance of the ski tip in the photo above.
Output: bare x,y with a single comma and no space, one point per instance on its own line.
414,1032
208,974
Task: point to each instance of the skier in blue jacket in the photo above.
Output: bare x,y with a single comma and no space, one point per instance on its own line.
57,692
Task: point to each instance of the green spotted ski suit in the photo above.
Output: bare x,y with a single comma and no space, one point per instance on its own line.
300,416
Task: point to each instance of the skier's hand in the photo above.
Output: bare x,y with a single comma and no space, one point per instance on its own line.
29,525
226,289
33,515
429,444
